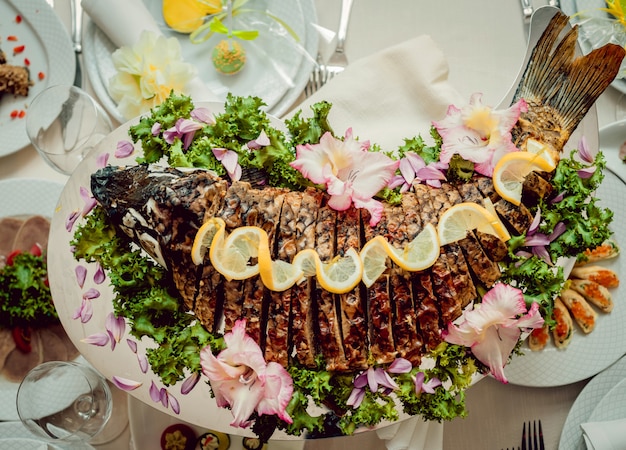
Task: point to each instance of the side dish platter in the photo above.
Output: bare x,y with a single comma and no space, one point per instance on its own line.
48,51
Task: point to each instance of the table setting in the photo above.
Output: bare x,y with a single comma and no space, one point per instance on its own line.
405,66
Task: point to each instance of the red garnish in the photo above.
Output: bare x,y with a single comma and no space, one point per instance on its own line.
26,62
35,250
14,113
18,49
11,38
41,75
21,114
21,336
18,19
12,256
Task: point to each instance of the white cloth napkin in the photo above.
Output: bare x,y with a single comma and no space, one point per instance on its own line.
607,435
123,21
390,95
386,97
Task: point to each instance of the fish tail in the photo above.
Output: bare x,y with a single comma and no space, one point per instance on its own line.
560,87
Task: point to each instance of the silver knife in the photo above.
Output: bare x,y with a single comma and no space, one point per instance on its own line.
76,11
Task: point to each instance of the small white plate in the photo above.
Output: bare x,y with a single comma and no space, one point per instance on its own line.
587,354
612,137
47,47
278,84
23,196
587,403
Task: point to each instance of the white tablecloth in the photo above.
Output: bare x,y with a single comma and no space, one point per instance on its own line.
484,43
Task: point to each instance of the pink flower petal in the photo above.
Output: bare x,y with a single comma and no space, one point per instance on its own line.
99,276
116,325
189,383
174,403
81,275
91,293
124,149
203,114
90,202
98,339
156,129
71,218
132,345
101,160
125,384
400,365
142,359
155,394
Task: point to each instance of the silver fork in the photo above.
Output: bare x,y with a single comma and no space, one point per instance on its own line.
322,73
535,440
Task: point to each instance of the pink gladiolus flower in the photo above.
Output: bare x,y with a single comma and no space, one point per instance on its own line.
493,327
240,378
351,174
478,133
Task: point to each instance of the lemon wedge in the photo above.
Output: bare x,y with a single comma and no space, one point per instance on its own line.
512,169
340,275
457,221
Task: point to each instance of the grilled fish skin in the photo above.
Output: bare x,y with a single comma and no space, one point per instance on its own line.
402,314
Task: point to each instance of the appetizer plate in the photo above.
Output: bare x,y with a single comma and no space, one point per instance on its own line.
23,196
276,69
47,47
597,401
587,354
612,137
589,8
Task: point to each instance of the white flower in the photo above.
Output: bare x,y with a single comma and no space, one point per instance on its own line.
147,73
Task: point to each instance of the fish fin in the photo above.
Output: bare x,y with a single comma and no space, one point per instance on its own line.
560,87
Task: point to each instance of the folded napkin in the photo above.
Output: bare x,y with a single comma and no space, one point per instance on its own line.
390,95
412,434
123,21
608,435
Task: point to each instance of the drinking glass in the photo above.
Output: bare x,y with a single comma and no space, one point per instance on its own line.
64,123
62,401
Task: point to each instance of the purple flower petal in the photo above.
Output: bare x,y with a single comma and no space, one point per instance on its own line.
124,149
116,325
142,359
203,114
189,383
361,380
174,403
559,198
400,365
81,275
99,276
542,253
356,397
132,345
559,229
112,338
587,172
585,153
91,293
537,239
98,339
102,159
535,223
71,218
125,384
163,397
90,202
261,141
155,395
187,126
419,382
156,128
430,386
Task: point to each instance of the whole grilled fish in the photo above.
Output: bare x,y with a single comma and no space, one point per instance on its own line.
402,314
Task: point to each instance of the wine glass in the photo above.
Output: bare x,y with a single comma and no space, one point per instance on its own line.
64,123
64,401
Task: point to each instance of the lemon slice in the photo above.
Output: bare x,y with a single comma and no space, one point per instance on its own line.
542,150
276,275
511,170
456,222
231,256
419,254
374,257
340,275
203,239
